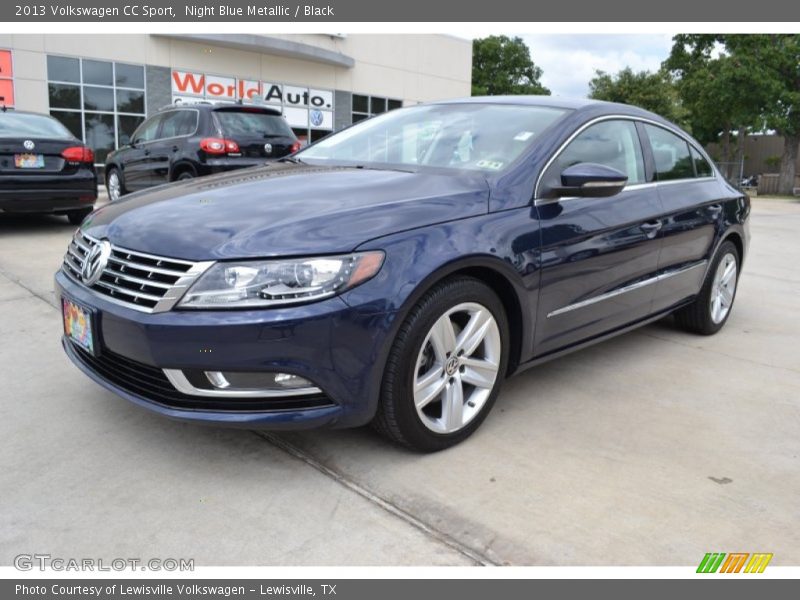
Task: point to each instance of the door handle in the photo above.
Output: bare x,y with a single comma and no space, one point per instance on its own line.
147,152
651,226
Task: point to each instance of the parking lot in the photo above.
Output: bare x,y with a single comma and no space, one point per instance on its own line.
651,449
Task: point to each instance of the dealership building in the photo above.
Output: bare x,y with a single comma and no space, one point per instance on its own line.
103,86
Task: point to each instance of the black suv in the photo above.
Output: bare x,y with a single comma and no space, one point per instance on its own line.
181,142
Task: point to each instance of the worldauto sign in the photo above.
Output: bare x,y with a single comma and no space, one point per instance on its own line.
303,107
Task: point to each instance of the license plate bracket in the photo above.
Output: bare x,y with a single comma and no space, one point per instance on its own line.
29,161
80,325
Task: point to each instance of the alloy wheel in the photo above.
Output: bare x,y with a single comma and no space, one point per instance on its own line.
113,186
723,288
457,367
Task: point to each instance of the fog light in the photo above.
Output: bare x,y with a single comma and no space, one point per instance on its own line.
240,383
291,381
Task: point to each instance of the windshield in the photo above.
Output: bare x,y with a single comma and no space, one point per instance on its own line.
32,126
479,137
256,124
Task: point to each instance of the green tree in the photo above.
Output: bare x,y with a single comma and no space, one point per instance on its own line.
732,83
655,92
772,62
503,65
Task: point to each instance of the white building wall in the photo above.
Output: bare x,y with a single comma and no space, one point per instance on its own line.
414,68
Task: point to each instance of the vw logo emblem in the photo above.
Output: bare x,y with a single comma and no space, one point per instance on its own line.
268,148
316,117
29,145
95,263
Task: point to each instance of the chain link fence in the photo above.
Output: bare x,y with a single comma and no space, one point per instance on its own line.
733,172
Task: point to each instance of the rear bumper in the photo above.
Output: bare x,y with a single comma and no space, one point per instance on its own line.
47,201
220,165
48,194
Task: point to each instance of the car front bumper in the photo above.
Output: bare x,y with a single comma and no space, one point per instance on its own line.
339,348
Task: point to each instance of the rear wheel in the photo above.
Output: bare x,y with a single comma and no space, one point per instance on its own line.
445,367
114,186
76,217
712,307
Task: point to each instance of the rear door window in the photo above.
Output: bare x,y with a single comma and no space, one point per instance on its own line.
671,154
701,166
178,123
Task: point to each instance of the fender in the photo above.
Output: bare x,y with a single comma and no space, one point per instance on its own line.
180,165
520,278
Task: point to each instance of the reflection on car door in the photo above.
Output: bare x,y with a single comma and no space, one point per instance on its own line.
174,126
599,255
136,161
689,193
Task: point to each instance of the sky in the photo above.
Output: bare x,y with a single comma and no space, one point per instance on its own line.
570,60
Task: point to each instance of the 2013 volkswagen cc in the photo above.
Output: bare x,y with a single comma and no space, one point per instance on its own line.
398,271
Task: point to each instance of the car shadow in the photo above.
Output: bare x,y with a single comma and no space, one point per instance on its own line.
21,224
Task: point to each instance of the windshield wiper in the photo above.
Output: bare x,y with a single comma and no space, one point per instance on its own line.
291,159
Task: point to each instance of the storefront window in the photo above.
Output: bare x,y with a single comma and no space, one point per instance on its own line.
101,102
71,120
126,125
365,107
64,96
99,133
97,98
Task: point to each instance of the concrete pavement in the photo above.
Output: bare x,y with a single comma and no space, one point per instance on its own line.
651,449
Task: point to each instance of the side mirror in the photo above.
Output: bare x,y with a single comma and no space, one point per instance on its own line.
591,180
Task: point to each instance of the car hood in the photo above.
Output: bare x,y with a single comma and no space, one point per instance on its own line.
285,209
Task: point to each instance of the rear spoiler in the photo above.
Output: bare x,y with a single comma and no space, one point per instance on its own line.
247,108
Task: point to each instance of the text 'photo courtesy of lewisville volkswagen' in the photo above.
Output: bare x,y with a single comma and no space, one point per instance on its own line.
397,272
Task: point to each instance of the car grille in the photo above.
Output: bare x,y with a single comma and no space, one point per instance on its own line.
142,281
150,383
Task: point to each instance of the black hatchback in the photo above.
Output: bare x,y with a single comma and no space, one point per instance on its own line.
183,142
44,168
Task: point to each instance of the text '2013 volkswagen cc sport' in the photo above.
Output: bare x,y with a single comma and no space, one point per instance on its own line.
398,271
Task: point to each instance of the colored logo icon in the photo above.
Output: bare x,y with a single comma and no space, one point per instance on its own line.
735,562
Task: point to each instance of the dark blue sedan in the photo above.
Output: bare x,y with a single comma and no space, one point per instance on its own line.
398,271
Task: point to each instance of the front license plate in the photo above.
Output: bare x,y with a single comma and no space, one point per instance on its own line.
79,325
29,161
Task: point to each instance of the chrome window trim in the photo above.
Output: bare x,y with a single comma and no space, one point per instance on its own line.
620,117
183,385
174,137
629,188
625,289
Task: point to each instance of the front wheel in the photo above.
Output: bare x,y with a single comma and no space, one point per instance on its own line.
712,307
445,367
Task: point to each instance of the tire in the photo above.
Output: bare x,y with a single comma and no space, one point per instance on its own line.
76,217
418,356
115,186
185,176
703,316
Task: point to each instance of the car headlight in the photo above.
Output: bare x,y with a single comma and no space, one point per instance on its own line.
279,282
